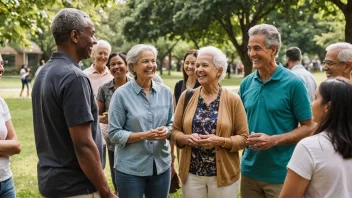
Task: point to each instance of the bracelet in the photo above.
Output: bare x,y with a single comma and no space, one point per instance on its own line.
224,144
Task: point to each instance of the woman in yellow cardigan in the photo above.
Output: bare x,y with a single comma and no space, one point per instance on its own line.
211,130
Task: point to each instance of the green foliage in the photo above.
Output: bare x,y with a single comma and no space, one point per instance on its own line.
206,22
22,19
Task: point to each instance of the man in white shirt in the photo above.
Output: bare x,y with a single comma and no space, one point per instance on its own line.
294,63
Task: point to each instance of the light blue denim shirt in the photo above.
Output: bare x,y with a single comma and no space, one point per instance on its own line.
131,112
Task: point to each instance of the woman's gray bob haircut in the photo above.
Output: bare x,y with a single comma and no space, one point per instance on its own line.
134,53
219,58
345,51
272,35
65,21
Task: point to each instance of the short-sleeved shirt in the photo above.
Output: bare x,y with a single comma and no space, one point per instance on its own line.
97,79
308,79
273,107
104,95
130,111
315,159
5,171
62,98
203,161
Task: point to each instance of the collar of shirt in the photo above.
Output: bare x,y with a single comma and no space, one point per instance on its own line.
276,76
297,67
92,70
66,57
138,89
111,84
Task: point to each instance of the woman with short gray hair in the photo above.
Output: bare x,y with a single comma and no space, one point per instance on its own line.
211,129
140,120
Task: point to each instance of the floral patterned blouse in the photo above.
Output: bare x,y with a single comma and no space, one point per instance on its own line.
204,120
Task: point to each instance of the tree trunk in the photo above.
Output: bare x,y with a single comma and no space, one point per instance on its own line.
161,65
170,61
348,26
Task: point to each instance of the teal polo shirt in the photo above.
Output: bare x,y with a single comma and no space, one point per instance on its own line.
274,107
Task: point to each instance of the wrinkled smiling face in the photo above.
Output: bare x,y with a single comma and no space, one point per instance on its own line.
118,67
258,53
145,66
86,40
101,56
206,71
332,66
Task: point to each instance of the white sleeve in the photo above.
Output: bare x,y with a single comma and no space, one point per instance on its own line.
5,110
302,161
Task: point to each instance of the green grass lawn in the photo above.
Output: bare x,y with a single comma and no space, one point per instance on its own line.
24,165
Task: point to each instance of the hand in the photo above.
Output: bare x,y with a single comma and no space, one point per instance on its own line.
103,118
162,133
191,140
210,141
260,141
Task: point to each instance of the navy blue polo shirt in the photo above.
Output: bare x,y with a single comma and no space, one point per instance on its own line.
274,107
62,97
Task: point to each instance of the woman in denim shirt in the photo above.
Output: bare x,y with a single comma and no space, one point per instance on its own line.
140,120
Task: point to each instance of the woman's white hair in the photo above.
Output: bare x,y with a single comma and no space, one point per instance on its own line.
101,44
134,53
219,58
345,51
272,35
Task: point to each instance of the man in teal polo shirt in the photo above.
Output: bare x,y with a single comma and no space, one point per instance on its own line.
276,102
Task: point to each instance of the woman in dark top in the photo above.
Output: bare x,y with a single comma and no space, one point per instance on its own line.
189,82
189,76
118,68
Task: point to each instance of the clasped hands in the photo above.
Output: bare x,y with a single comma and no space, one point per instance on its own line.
160,133
260,141
208,141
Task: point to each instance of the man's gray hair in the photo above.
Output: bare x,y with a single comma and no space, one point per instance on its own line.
65,21
272,35
345,50
134,53
101,44
219,58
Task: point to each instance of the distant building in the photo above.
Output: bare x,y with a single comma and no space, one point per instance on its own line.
15,57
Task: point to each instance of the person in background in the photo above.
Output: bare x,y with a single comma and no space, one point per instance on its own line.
338,60
140,121
118,68
294,63
24,74
98,74
210,130
42,63
278,113
65,115
189,76
9,146
321,164
189,82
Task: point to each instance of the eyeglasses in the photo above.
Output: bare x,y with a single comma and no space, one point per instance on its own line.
331,63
